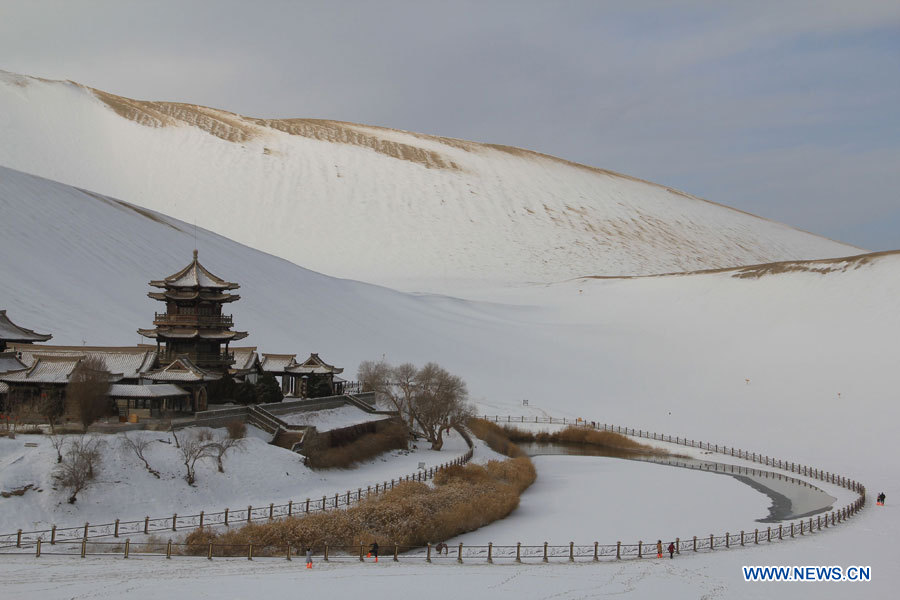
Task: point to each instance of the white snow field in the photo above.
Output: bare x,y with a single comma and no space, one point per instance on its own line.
408,210
797,362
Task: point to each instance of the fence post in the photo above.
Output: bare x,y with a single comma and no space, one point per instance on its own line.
53,535
201,519
712,542
174,521
756,535
209,552
459,556
490,552
249,512
618,550
792,529
226,517
428,553
396,551
596,555
545,552
37,552
83,547
640,549
519,549
169,549
307,505
571,551
85,530
361,553
147,524
19,538
742,537
727,540
271,510
127,546
677,545
116,531
780,532
291,505
695,543
250,551
289,552
325,558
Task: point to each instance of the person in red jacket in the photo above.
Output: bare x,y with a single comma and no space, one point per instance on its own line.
671,550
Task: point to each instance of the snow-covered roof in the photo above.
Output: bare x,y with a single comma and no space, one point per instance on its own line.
11,332
277,363
46,369
158,390
189,334
9,362
129,361
244,358
195,275
313,365
181,369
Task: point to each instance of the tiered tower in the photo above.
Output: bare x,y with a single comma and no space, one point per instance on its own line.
193,324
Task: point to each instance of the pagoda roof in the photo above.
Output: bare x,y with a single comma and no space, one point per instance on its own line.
156,390
9,362
10,332
314,366
189,334
182,369
175,294
129,361
277,363
194,275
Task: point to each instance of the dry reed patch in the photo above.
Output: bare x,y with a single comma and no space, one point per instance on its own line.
496,437
392,437
581,435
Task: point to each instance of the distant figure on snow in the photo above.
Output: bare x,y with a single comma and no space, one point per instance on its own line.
442,547
658,548
308,557
373,551
881,498
671,550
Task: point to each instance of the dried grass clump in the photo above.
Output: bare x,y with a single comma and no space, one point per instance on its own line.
237,430
496,437
579,435
393,437
411,514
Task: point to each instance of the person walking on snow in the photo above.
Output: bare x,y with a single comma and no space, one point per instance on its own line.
658,548
308,557
671,550
881,498
373,550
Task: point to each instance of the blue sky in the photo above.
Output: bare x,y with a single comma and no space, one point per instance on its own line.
789,110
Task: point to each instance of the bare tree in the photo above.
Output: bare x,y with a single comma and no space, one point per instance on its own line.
88,388
219,449
58,443
396,385
440,403
51,406
79,465
194,448
138,445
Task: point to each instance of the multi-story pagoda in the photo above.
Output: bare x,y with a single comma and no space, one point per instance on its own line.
193,325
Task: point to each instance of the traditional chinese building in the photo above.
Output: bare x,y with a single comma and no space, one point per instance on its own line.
313,378
193,325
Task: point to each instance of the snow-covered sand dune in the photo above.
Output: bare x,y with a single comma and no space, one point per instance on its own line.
379,205
792,363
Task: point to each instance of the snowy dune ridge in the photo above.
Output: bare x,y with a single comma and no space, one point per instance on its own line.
376,204
798,362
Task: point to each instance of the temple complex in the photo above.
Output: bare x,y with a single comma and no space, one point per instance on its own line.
191,359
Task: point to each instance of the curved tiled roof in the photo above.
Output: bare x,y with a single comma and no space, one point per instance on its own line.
11,332
194,275
129,361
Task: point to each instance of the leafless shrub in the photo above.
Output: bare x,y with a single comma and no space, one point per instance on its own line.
138,445
218,450
79,464
58,441
236,430
193,448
